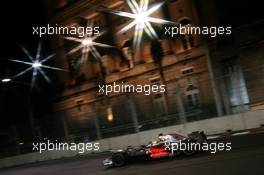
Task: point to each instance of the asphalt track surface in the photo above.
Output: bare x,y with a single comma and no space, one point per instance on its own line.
245,158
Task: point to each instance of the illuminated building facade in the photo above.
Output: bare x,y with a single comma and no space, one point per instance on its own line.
190,70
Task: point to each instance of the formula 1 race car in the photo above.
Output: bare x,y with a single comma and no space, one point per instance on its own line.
155,150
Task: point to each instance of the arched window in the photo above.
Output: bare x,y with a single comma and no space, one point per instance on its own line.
185,22
192,97
128,52
187,40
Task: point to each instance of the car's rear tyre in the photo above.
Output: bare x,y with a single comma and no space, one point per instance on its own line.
118,160
189,152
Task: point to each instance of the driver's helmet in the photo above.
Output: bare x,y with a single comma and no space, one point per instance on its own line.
167,138
153,143
160,137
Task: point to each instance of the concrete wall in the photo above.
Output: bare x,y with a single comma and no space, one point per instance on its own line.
243,121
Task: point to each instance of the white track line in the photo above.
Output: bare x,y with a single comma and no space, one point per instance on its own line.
213,137
241,133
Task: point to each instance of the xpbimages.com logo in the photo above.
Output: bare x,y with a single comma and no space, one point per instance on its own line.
63,30
196,146
60,146
131,88
212,31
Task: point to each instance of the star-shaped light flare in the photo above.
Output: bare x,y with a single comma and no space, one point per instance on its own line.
36,65
142,20
87,44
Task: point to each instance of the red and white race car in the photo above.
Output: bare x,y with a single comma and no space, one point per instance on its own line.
155,149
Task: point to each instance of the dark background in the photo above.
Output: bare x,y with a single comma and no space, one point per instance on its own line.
17,19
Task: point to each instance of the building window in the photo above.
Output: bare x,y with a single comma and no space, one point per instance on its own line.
187,71
79,104
186,39
235,85
155,81
185,22
192,96
184,42
158,98
127,51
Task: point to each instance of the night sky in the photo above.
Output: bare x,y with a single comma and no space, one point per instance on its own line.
236,13
18,18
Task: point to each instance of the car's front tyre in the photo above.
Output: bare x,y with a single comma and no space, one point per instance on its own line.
118,159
